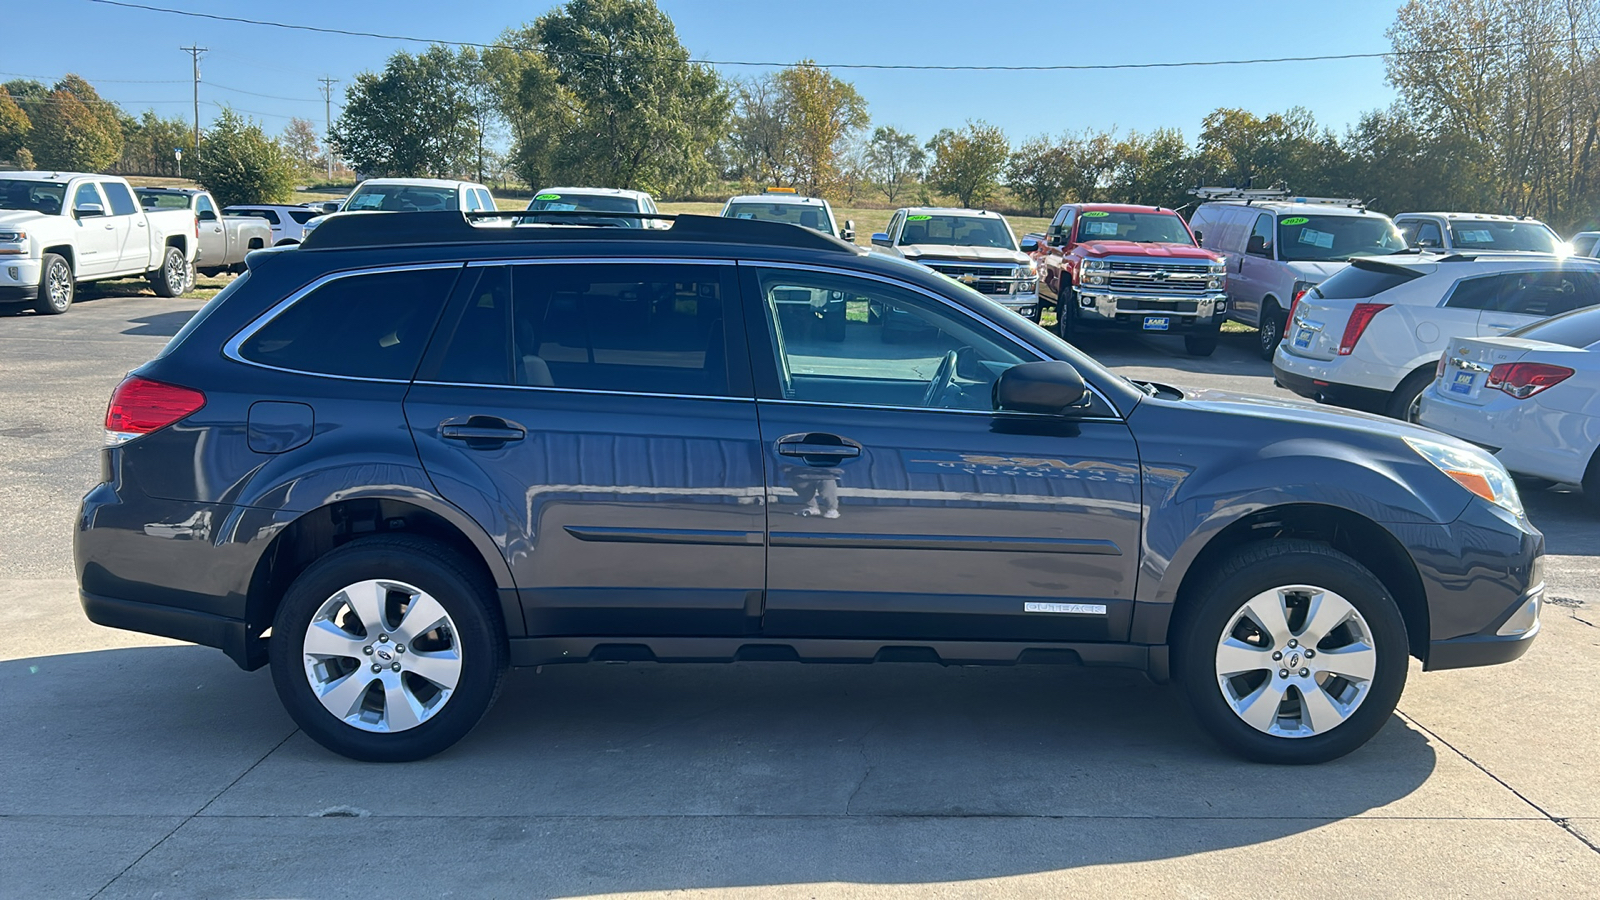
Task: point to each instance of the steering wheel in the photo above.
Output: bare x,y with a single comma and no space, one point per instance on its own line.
941,379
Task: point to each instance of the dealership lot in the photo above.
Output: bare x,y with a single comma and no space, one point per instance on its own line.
170,771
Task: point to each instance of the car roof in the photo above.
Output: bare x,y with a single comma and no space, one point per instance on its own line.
169,190
40,175
419,182
778,198
1477,217
949,211
265,206
1299,209
1509,260
1121,207
598,192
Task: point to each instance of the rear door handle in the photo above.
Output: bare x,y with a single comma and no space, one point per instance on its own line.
481,432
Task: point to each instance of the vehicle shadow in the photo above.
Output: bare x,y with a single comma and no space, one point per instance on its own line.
164,324
634,777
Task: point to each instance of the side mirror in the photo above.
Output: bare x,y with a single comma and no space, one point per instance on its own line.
880,239
1256,246
848,233
88,211
1198,237
207,215
1051,387
1030,245
1428,243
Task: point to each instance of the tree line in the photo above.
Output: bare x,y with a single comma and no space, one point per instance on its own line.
1497,110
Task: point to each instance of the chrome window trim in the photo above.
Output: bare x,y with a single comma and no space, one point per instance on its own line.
598,261
230,350
569,390
1040,355
991,413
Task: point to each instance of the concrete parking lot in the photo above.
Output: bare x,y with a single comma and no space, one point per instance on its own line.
137,767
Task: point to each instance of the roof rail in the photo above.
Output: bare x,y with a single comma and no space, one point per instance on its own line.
343,231
1279,193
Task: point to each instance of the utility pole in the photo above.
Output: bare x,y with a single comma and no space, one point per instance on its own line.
195,52
327,120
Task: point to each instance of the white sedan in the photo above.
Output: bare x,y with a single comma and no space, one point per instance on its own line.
1532,397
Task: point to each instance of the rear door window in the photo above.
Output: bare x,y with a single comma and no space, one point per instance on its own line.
1545,293
121,198
370,325
640,328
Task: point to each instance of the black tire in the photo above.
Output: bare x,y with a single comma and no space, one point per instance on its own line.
173,276
1402,404
833,321
1200,344
57,288
467,597
1269,332
1066,315
1256,569
1591,482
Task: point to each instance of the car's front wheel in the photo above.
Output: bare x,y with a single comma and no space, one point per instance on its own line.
56,287
388,649
1269,330
1291,653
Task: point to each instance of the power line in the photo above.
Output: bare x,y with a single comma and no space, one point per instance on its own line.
91,80
267,96
1083,67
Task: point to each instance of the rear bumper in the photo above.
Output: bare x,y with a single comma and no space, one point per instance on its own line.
1526,437
1324,391
204,629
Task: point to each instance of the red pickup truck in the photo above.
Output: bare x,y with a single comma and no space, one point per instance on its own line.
1111,266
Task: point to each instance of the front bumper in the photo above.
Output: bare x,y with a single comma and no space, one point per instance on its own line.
19,278
1099,309
1025,305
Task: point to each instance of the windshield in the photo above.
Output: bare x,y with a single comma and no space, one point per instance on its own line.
1141,228
1493,235
161,200
403,198
807,215
1336,238
36,196
957,231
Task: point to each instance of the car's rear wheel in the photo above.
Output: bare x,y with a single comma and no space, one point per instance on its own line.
1405,403
1292,653
1067,314
387,649
173,276
1591,482
56,287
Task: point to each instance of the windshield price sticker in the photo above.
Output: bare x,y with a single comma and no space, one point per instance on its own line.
1297,220
918,218
1476,237
548,197
1095,214
1323,239
1100,228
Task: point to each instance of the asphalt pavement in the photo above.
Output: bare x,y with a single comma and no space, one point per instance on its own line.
133,766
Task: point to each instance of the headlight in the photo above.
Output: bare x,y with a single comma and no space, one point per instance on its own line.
1094,279
13,237
1473,469
1090,265
1219,267
1216,282
1027,271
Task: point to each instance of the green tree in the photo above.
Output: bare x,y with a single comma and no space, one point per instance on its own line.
822,113
28,94
105,112
1154,169
967,163
14,126
894,161
412,120
69,136
148,143
602,92
299,141
1037,173
238,163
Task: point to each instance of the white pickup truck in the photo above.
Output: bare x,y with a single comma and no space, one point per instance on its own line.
60,229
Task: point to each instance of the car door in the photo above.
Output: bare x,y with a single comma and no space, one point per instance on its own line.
95,241
597,419
1257,270
1527,297
900,505
213,244
130,228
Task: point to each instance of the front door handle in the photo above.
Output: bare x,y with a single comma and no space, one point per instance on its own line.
482,432
818,449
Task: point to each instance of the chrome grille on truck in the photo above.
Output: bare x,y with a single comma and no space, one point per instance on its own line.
1157,278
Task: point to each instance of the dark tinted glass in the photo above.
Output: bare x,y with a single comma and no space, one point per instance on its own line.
1545,293
121,199
303,217
1575,329
1363,280
630,328
267,214
1474,293
369,326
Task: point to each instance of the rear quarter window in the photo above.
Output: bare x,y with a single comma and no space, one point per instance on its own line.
1361,279
372,325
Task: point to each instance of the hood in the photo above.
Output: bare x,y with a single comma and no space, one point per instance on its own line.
1317,272
934,252
22,216
1098,249
1299,413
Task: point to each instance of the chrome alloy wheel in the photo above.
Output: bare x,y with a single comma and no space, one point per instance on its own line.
177,271
382,656
1296,661
58,286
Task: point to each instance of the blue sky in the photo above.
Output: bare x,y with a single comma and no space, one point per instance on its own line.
105,44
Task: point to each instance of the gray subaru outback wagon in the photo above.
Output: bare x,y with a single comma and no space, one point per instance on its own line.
417,450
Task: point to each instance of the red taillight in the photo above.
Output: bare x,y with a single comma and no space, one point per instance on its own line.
1523,380
140,406
1293,305
1360,318
1439,369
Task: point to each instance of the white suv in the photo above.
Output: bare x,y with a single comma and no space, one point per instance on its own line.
1278,246
412,195
1371,336
601,200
